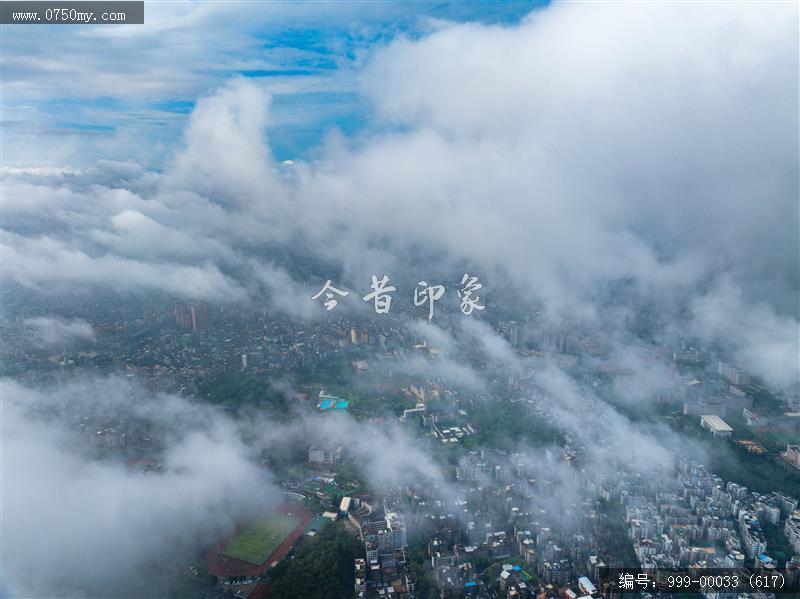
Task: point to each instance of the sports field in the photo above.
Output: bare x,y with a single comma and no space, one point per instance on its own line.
254,543
780,438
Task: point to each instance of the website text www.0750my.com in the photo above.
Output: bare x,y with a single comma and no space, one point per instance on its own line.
67,15
72,12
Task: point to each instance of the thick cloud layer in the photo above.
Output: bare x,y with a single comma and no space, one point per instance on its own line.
590,145
74,522
48,331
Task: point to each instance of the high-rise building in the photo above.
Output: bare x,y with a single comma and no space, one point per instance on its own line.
194,316
360,577
396,527
793,573
199,317
323,455
733,374
183,315
792,455
791,530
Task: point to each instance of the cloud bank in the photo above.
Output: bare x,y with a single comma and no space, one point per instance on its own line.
589,146
77,521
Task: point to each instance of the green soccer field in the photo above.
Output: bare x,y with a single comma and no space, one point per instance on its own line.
260,538
779,438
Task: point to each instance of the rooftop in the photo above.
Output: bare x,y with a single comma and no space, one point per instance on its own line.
716,423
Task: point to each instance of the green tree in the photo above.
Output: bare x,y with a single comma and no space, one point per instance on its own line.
322,567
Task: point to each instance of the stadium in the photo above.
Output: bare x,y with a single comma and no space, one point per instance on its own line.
258,545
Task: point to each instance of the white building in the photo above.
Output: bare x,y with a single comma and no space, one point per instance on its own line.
716,425
325,456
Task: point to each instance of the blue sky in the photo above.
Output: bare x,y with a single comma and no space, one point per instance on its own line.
78,94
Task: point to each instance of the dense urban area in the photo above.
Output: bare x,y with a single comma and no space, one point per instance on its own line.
530,498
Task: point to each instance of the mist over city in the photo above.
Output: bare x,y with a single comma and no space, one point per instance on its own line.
401,300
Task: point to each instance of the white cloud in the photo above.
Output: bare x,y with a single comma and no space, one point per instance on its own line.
101,519
590,144
50,331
